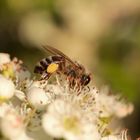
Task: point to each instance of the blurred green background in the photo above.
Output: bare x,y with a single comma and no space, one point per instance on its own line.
103,35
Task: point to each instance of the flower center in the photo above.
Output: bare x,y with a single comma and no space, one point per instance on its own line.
7,70
2,99
70,123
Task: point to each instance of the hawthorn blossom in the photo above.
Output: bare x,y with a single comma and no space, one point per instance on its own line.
64,120
12,125
32,109
110,104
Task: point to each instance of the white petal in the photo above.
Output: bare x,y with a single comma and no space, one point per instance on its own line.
7,88
122,110
4,58
52,125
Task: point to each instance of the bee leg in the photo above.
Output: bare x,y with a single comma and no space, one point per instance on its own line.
80,87
71,75
79,90
77,86
72,83
69,80
45,76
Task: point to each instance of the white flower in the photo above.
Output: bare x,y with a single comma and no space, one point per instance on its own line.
65,120
109,104
4,58
70,114
12,125
7,88
37,97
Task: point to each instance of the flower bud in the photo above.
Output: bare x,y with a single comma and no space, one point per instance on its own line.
37,97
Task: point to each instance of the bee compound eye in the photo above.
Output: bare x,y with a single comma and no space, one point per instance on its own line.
85,79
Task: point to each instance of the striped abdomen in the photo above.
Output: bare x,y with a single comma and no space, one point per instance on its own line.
49,65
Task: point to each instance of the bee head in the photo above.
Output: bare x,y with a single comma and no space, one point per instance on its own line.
85,79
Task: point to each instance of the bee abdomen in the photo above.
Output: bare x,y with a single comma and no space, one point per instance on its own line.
49,64
42,65
38,69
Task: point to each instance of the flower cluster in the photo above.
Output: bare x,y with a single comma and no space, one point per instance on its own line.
38,110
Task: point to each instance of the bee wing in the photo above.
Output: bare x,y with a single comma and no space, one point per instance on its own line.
57,52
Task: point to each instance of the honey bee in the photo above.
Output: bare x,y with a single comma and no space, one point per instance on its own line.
61,64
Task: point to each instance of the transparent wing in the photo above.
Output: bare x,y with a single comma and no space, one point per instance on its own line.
57,52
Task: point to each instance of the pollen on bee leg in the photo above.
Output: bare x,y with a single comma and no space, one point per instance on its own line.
52,68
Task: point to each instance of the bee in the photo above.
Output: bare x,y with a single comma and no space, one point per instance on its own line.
61,64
